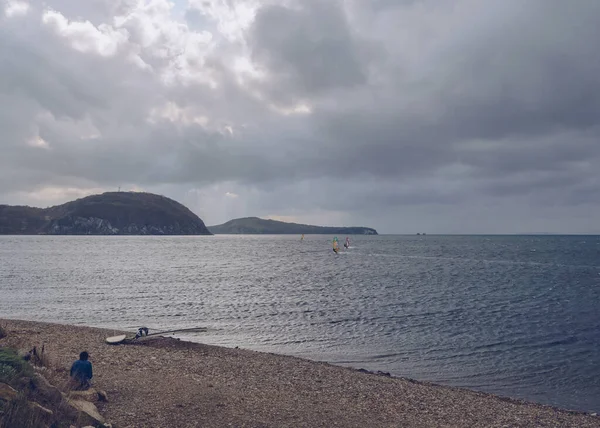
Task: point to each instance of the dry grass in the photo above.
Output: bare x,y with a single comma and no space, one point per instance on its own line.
18,414
21,374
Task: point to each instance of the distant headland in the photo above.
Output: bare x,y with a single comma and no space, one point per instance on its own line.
141,213
259,226
110,213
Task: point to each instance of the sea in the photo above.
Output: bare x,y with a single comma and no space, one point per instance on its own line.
517,316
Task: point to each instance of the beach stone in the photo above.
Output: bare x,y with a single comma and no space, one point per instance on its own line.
46,389
92,395
88,412
7,392
87,395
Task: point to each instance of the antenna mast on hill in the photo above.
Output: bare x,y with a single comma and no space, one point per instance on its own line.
119,188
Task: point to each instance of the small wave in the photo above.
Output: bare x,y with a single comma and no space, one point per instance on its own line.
344,320
566,341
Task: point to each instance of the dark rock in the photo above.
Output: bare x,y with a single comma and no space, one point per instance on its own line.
26,382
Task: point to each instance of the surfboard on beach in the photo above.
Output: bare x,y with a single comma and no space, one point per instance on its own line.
113,340
121,338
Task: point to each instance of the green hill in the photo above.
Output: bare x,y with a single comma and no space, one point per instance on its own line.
111,213
255,225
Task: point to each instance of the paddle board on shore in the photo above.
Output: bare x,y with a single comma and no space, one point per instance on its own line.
116,339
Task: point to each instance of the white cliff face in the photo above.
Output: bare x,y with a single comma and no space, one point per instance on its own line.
82,226
98,226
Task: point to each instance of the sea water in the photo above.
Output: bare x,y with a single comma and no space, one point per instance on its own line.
517,316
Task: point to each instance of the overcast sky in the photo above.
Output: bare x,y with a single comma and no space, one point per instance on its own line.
457,116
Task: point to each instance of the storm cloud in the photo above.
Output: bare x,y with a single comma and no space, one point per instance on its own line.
443,117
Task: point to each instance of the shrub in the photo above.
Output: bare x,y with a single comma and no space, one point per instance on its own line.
12,366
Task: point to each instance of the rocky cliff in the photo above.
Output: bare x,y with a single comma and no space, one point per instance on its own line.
111,213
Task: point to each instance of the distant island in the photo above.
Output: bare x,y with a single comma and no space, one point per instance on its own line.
257,226
110,213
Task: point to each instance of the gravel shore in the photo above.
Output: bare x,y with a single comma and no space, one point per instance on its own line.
164,382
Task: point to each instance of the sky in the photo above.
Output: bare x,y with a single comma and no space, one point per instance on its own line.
458,116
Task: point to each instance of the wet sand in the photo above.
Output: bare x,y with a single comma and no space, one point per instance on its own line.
164,382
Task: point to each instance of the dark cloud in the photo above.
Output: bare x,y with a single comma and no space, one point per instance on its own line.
410,113
308,50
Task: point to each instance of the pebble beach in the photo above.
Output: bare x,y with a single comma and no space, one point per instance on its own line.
166,382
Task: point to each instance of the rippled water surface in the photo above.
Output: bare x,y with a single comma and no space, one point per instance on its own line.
512,315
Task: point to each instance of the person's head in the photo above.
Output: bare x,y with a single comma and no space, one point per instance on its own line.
84,356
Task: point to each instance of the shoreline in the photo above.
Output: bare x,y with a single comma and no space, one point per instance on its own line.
164,381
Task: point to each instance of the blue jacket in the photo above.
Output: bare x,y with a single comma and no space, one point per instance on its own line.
81,370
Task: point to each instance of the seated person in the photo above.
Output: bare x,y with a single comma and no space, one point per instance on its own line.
81,371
